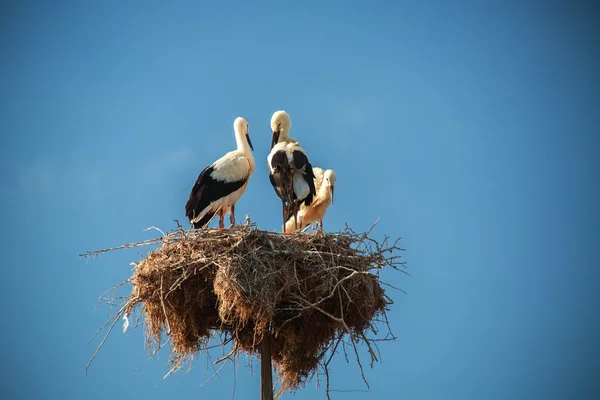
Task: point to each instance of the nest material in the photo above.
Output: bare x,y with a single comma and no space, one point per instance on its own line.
305,290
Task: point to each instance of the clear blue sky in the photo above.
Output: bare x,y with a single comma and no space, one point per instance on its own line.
471,129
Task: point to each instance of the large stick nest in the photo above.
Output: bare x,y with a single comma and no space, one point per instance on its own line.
308,291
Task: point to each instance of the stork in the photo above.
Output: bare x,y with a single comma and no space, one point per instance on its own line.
325,185
220,185
290,171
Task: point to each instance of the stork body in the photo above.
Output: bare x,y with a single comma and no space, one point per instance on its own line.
220,185
307,214
290,171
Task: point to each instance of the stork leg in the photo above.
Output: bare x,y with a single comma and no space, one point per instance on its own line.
295,218
232,216
283,209
295,211
321,225
221,217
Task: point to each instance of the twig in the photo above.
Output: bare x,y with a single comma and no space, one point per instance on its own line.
326,367
156,229
232,352
213,375
104,339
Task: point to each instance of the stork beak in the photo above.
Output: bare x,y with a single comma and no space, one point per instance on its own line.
331,188
275,138
249,141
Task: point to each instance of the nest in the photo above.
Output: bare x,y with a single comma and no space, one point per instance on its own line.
308,292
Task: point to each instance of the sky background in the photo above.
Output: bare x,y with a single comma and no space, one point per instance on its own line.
470,129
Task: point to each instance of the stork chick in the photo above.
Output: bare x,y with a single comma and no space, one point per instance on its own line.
325,185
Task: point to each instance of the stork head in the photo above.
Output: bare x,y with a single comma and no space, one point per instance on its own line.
280,126
240,126
329,180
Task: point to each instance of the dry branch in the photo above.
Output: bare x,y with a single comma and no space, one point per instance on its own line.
307,291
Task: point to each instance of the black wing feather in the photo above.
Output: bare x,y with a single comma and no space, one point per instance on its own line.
275,185
301,163
205,191
309,175
279,166
204,220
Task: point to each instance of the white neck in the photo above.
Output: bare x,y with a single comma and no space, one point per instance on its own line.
285,137
242,143
324,192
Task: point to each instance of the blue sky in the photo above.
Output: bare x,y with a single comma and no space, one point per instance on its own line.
470,129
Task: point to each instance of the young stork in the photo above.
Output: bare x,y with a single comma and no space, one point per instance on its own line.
325,185
221,184
290,171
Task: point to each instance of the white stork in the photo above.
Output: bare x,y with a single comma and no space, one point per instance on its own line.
221,184
325,185
290,171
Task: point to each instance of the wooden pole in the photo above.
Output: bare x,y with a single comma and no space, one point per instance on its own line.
266,371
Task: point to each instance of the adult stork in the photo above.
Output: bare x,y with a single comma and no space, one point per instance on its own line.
290,171
222,183
325,185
